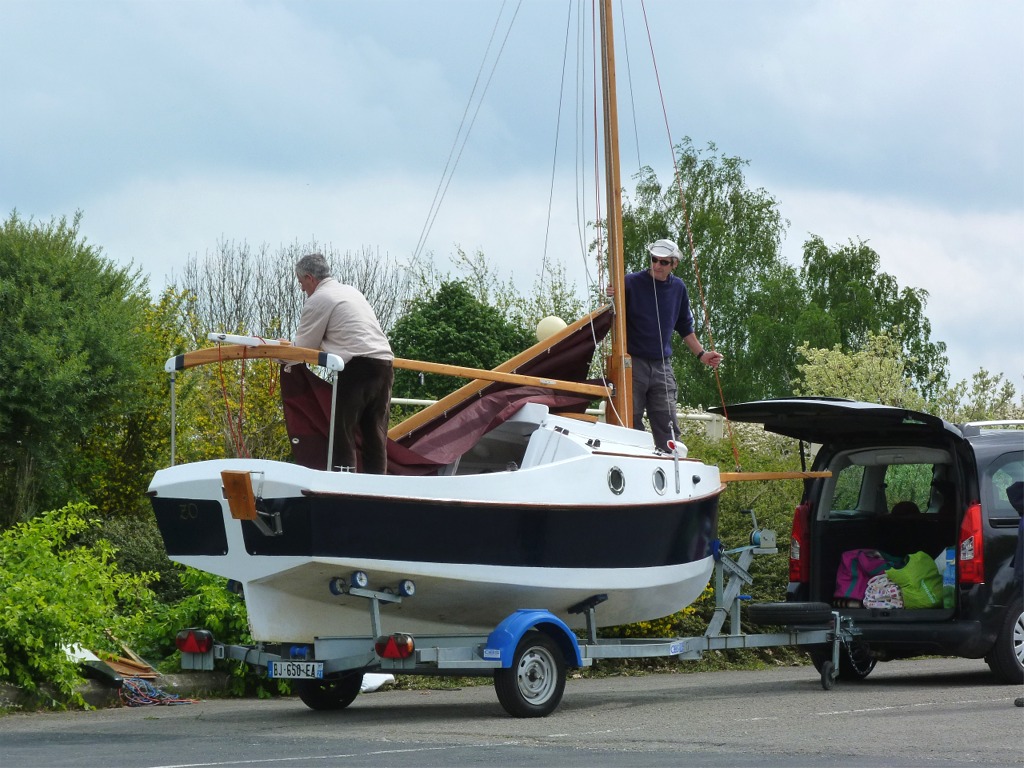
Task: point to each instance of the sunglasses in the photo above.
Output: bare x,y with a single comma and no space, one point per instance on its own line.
663,262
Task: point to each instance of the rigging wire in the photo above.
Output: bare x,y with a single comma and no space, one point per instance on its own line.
462,138
629,81
554,154
689,233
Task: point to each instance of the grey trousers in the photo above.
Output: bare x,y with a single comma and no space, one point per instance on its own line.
655,391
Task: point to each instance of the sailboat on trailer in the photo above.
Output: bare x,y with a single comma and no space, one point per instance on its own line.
502,496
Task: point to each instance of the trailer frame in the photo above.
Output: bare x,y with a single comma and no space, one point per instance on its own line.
528,653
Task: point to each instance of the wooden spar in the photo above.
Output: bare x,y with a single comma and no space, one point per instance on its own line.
207,355
618,364
595,390
732,477
316,357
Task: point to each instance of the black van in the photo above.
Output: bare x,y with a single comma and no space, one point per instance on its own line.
903,482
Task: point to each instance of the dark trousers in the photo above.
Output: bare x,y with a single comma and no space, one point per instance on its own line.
363,405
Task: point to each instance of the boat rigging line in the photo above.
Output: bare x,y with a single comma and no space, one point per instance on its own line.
677,177
461,138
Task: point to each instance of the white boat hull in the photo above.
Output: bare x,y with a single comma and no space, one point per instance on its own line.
590,509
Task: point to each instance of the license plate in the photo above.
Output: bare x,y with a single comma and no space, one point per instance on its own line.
296,670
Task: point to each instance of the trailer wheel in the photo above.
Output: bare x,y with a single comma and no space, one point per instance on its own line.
332,693
788,614
855,659
533,685
828,675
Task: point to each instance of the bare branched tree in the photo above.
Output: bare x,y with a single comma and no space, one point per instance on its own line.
241,289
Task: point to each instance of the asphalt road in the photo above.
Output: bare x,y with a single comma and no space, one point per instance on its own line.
933,712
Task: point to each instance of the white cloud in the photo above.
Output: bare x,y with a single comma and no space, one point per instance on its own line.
970,263
174,125
174,220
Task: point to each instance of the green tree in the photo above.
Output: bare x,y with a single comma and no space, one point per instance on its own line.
552,293
878,373
874,373
72,357
846,285
987,397
745,298
452,327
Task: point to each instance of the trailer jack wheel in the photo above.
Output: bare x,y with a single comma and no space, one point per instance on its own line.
533,685
332,693
828,675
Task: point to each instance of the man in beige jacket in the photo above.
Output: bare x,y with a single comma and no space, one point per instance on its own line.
338,319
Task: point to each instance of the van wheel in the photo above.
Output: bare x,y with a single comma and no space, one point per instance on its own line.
332,693
1006,659
855,660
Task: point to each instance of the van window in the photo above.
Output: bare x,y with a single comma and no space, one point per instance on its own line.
908,484
846,498
1000,475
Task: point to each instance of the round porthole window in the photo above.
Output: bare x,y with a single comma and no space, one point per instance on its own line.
616,480
659,481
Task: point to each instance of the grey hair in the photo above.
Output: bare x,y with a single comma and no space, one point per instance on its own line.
314,265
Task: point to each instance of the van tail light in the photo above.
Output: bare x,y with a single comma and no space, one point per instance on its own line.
971,560
800,545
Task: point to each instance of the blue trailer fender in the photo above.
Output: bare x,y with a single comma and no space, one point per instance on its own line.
502,642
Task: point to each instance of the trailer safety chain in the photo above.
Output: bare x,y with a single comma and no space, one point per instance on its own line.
848,645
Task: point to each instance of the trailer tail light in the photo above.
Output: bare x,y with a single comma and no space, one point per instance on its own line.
194,641
396,646
800,545
971,562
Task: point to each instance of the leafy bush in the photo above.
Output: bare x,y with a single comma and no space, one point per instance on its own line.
208,604
57,593
138,548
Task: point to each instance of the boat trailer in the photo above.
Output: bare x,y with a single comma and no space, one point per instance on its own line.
529,652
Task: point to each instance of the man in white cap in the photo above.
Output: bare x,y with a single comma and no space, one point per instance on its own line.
658,304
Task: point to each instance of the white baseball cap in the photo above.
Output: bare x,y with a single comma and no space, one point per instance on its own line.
664,249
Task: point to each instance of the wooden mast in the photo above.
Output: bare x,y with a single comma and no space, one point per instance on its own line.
617,368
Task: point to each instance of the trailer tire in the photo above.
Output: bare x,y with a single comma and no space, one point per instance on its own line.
828,676
855,659
331,693
789,614
533,685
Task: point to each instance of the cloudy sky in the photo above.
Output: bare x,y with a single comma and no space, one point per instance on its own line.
175,125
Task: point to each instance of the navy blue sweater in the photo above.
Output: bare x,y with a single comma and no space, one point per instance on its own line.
655,308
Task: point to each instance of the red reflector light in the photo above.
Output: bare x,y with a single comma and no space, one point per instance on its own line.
971,560
194,641
396,646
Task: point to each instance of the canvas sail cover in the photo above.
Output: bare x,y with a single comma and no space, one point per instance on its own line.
454,428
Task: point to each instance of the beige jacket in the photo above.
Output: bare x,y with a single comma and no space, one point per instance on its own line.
338,319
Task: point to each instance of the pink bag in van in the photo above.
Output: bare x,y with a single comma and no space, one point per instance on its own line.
857,566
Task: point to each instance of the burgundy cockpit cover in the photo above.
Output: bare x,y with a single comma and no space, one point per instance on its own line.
307,407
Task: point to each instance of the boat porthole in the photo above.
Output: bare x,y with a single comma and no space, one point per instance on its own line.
616,480
659,481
